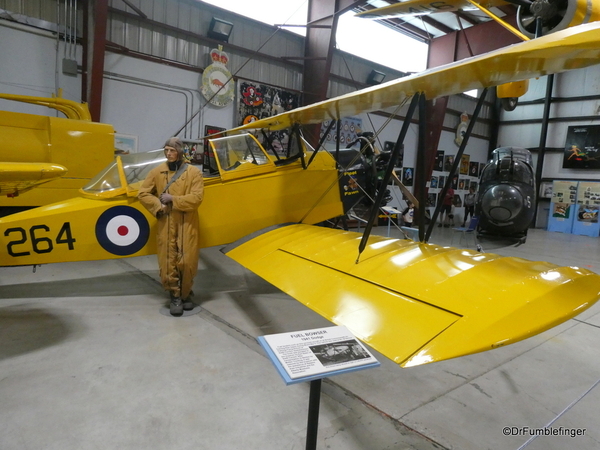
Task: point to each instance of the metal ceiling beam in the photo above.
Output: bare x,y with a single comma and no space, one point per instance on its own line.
319,44
94,46
318,52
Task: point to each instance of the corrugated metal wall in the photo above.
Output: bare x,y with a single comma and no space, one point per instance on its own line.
254,49
176,30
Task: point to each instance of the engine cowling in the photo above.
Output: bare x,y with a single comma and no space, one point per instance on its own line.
556,15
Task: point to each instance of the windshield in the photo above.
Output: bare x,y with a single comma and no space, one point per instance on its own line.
135,166
233,151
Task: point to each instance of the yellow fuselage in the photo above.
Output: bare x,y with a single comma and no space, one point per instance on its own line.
74,230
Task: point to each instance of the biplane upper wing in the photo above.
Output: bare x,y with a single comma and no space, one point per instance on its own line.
417,303
421,7
18,177
574,48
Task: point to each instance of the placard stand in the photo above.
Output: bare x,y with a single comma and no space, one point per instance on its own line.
312,425
312,355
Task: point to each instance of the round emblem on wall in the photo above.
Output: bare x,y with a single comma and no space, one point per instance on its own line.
122,230
217,84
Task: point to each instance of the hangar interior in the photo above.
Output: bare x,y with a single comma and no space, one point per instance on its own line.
91,360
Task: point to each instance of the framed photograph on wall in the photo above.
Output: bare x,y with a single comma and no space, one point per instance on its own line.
125,144
407,176
441,182
448,161
464,164
439,161
582,147
473,169
546,189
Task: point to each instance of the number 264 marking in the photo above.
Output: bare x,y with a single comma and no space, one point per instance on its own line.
39,243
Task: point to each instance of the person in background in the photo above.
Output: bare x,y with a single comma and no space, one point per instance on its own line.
446,208
469,205
408,214
172,192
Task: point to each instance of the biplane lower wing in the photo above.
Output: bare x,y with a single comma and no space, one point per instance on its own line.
417,303
18,177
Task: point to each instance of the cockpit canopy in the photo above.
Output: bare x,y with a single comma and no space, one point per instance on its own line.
125,170
509,164
236,157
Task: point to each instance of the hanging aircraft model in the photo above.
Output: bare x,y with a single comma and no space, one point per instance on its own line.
506,198
534,18
404,298
46,159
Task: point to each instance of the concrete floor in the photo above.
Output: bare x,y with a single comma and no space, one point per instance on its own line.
88,361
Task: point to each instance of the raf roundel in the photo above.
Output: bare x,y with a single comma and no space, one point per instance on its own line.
122,230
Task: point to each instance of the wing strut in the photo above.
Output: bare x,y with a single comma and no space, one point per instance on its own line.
457,160
321,141
421,170
388,174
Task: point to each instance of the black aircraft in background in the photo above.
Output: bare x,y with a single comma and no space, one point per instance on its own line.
506,199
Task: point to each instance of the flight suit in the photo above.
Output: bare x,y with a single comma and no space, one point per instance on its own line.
177,230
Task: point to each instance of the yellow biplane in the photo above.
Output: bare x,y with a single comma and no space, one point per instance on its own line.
60,154
406,299
534,18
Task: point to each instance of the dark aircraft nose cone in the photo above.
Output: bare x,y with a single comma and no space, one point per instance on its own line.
501,203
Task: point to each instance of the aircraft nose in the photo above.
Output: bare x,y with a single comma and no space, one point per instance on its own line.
501,203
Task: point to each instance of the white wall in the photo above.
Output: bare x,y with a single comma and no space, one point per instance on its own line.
154,101
582,82
140,98
31,64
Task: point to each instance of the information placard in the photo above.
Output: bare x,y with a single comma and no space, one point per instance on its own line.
312,354
562,207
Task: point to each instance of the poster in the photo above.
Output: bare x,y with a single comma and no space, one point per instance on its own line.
582,147
309,353
448,162
259,101
473,169
562,206
588,201
441,182
464,164
455,183
407,176
439,161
